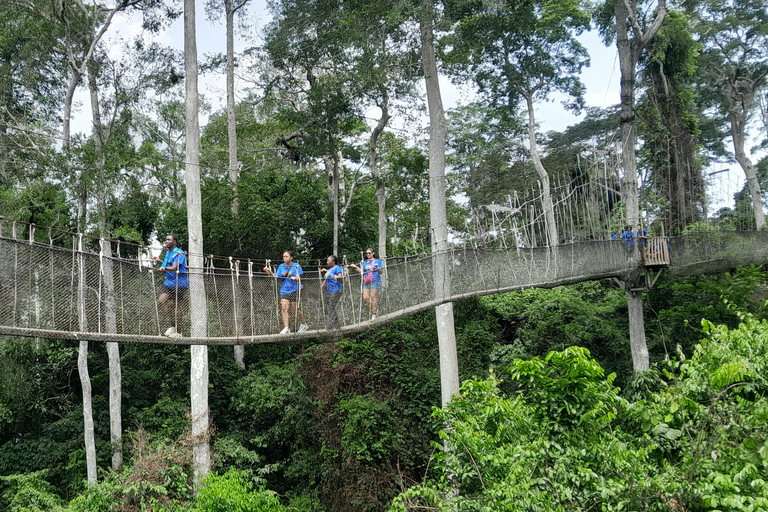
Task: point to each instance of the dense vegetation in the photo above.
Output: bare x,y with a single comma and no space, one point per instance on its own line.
349,426
550,415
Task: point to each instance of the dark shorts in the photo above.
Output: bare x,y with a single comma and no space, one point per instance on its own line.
176,292
290,297
376,285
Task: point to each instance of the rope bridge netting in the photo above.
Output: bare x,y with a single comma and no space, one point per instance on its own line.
88,289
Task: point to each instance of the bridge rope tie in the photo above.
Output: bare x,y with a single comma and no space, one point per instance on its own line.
233,273
298,304
15,273
384,276
348,289
275,301
122,287
250,291
72,285
53,283
212,272
153,287
101,279
82,319
362,286
320,288
30,273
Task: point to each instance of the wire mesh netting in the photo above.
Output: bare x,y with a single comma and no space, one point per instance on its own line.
64,291
709,251
106,290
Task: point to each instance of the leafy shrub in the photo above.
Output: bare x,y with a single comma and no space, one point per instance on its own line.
695,439
719,400
233,492
554,444
29,493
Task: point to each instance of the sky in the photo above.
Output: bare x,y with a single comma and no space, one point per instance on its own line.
601,82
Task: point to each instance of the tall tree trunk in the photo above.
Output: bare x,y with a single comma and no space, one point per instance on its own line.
234,166
332,175
85,384
628,67
629,53
381,197
110,313
199,353
66,122
446,335
546,198
738,124
640,359
82,370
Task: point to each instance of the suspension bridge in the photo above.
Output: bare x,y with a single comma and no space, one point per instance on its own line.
67,286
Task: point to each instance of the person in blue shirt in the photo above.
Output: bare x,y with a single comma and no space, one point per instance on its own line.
628,235
289,273
176,283
641,232
332,287
371,269
629,240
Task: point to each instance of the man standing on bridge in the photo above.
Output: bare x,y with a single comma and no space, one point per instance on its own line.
176,284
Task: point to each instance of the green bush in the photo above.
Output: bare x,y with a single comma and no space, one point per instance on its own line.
555,444
29,493
564,439
233,492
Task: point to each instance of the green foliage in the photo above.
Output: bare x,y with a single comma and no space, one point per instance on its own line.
719,401
368,434
233,492
276,424
95,498
229,453
134,215
694,436
514,50
669,121
677,307
38,202
29,493
484,143
591,315
554,445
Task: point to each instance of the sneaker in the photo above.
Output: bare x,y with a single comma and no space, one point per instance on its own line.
170,331
303,327
286,330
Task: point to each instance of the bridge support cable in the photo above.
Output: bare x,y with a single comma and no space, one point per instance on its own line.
250,295
322,294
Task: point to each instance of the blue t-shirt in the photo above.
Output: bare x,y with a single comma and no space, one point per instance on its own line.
285,273
172,257
368,267
333,285
629,237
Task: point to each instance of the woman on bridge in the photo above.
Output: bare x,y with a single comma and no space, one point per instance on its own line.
371,270
332,287
290,273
